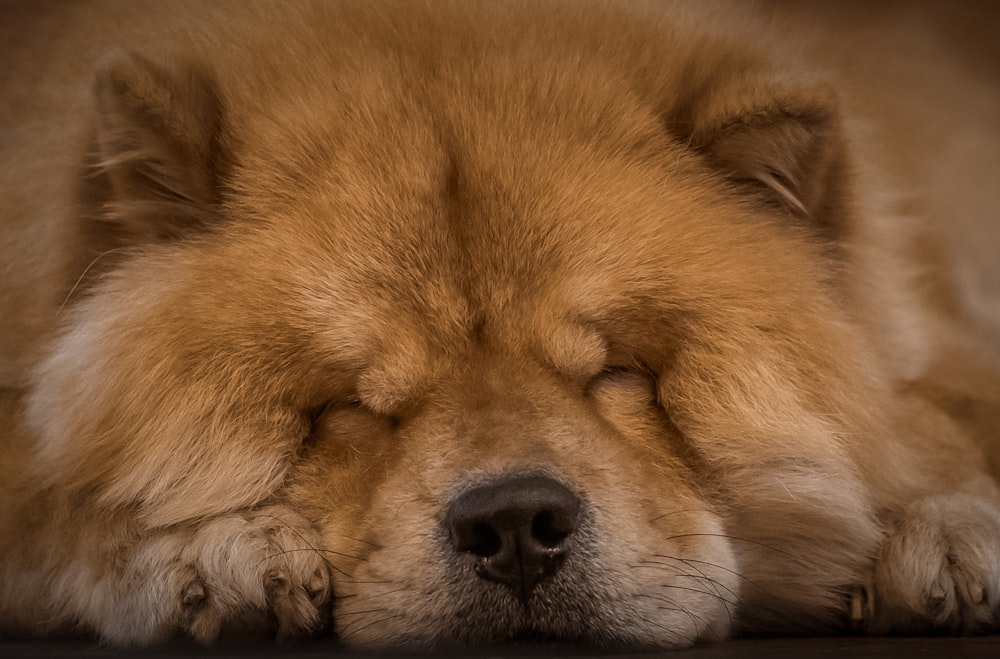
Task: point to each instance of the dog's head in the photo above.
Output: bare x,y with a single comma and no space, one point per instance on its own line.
547,344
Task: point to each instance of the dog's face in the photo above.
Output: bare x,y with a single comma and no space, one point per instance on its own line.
533,372
498,463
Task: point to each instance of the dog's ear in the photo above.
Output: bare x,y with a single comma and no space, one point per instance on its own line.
156,148
779,140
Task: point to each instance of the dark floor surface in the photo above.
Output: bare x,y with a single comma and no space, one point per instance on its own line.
853,647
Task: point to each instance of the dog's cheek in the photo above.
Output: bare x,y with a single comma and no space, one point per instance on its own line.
679,547
157,398
774,457
628,401
341,468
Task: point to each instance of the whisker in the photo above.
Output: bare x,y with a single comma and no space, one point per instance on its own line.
366,542
702,577
309,546
706,625
700,592
83,274
738,575
735,573
341,614
715,584
375,595
695,618
680,512
739,598
733,537
701,573
676,635
320,551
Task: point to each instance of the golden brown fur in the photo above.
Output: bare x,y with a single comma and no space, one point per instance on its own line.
281,285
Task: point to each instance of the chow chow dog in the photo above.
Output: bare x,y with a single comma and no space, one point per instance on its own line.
455,324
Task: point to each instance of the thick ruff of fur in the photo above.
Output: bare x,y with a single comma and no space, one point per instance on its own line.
284,282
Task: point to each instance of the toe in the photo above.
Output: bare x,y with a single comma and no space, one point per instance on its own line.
193,595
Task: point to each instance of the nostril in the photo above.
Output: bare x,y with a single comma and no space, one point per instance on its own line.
486,541
547,531
517,528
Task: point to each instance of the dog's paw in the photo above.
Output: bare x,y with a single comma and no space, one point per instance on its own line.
227,571
938,569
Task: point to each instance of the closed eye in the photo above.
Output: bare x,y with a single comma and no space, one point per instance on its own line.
620,372
313,416
318,418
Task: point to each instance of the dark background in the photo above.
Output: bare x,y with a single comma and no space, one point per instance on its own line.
862,648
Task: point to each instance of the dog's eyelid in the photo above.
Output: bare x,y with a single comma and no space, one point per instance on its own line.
616,370
623,360
312,416
314,413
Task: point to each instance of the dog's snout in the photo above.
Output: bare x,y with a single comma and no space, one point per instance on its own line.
519,529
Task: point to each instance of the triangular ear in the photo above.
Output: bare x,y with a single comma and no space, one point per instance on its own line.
782,141
155,148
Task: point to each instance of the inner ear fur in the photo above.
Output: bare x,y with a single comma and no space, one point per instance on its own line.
155,155
780,140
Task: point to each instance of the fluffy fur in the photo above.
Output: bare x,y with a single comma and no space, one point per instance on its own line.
281,283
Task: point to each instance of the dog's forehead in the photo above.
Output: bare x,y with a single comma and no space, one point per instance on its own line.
482,199
480,252
480,225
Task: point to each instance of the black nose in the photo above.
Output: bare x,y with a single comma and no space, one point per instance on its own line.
519,529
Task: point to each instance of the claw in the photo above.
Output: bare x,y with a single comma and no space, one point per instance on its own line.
205,626
861,607
316,588
277,582
194,594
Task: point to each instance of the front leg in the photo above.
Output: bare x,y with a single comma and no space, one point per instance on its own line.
938,568
195,579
